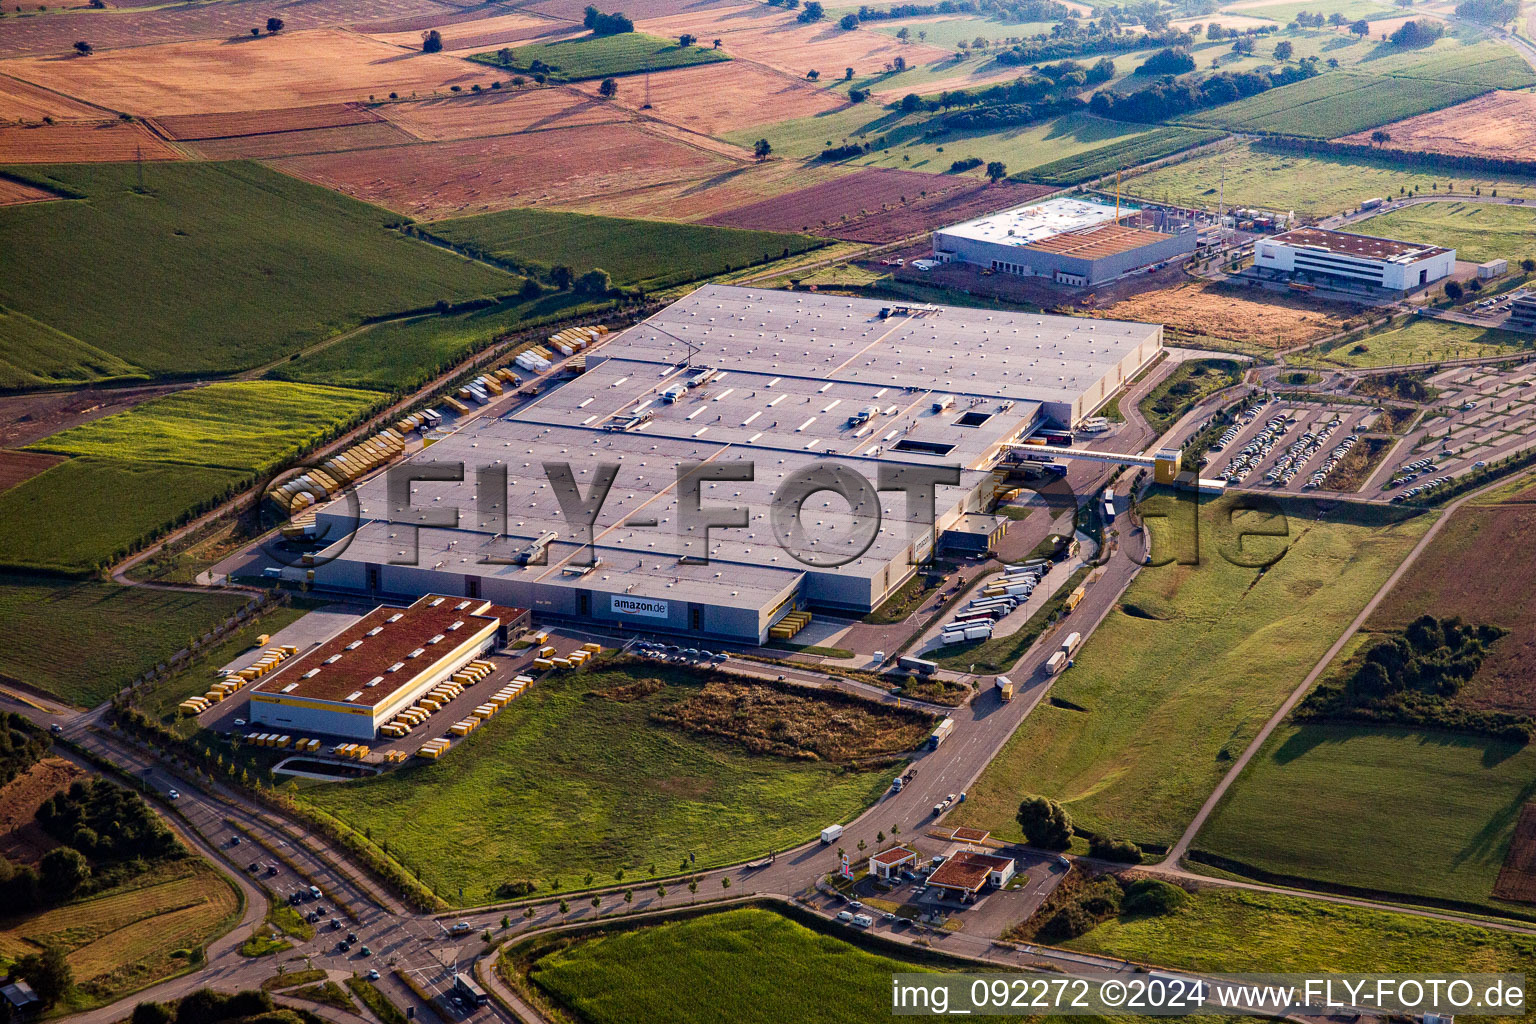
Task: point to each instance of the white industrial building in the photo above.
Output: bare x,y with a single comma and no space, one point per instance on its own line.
765,381
1334,257
376,667
1071,241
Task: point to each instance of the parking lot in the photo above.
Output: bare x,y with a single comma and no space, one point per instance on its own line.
1290,446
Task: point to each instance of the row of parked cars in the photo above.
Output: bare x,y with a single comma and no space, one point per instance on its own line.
672,652
1256,450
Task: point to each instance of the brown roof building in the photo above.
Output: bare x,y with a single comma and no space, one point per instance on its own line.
968,872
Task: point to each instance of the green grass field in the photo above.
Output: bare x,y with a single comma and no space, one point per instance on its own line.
84,641
250,425
1310,185
403,354
1229,930
592,56
1284,12
1477,231
1167,702
1334,104
232,265
33,354
1488,64
644,253
1134,150
564,782
1422,814
87,511
760,968
1418,341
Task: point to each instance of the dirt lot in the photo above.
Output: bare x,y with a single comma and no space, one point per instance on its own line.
18,466
476,175
481,34
876,205
1517,878
257,122
13,193
21,839
771,36
287,70
1496,124
1479,568
1264,320
720,98
55,33
31,417
20,101
81,142
320,140
501,113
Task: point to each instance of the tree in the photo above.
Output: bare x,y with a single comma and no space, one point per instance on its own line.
1453,291
911,101
597,901
687,39
1284,49
47,972
813,12
1044,823
1528,265
84,48
717,43
1361,28
256,31
530,290
151,1013
561,277
761,148
904,34
432,42
996,171
813,74
274,25
594,282
847,74
63,870
606,24
848,22
565,908
629,895
899,63
1380,137
1336,19
608,89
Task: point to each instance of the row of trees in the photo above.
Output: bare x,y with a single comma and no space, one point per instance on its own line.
606,24
1171,97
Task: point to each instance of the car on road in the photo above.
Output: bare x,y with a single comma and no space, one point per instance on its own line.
372,975
172,794
888,916
855,904
56,728
239,721
462,928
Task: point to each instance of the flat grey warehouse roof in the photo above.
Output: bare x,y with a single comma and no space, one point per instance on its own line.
778,379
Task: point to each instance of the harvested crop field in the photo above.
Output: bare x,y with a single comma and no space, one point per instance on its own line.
1478,568
1501,125
690,199
1263,321
81,142
773,37
478,175
21,839
501,113
13,193
317,140
21,101
878,205
18,466
481,33
719,98
290,69
260,122
1517,877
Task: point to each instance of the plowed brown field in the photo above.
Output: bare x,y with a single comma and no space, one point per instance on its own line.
1517,877
466,37
690,199
772,36
318,140
720,98
286,70
501,113
532,169
81,142
1496,124
256,122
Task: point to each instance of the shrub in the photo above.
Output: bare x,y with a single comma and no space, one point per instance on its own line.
1122,851
1044,823
1151,897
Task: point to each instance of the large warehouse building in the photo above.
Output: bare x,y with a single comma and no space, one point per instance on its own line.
1312,254
374,668
1071,241
760,383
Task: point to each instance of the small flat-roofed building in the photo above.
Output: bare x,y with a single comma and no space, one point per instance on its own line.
975,533
1071,241
967,873
888,863
371,670
965,834
1522,311
1312,254
23,1001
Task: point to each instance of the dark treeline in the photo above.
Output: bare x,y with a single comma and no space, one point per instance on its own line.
1170,97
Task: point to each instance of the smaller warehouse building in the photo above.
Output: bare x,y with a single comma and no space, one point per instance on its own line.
364,675
1071,241
1337,258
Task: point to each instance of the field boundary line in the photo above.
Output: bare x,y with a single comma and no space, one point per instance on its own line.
1179,849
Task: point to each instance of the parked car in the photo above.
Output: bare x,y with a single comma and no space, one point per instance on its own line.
372,975
845,916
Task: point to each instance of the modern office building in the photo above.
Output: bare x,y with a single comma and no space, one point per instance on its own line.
1334,257
1071,241
765,386
369,671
